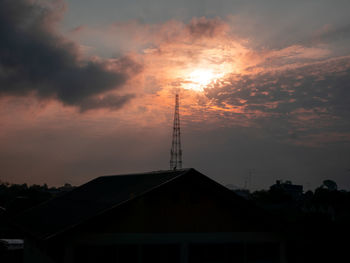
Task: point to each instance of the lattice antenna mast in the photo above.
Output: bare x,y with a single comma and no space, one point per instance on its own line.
176,152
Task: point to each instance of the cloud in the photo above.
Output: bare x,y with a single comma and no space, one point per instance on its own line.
294,104
136,36
110,101
297,90
332,33
291,94
203,27
36,59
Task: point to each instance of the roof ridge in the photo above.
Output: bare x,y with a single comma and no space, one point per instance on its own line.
144,173
184,171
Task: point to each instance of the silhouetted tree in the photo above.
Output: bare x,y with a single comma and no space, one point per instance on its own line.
330,185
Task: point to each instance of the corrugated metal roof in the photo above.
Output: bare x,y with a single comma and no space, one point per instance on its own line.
89,200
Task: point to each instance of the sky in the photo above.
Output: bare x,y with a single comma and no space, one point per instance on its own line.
87,89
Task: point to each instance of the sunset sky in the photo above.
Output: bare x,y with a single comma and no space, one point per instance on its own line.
87,89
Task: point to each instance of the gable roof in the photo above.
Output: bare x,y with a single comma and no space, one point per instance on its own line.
103,194
88,200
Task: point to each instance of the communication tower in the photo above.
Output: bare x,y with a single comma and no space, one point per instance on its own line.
176,152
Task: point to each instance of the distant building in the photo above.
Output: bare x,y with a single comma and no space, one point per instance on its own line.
11,250
287,187
166,216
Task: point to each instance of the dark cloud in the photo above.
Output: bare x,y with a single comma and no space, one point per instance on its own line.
34,58
203,27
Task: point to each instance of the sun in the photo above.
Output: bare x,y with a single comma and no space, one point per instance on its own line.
200,78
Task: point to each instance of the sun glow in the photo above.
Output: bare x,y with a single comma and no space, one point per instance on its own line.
200,78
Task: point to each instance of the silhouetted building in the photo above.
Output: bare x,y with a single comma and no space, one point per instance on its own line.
165,216
11,250
11,244
287,187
